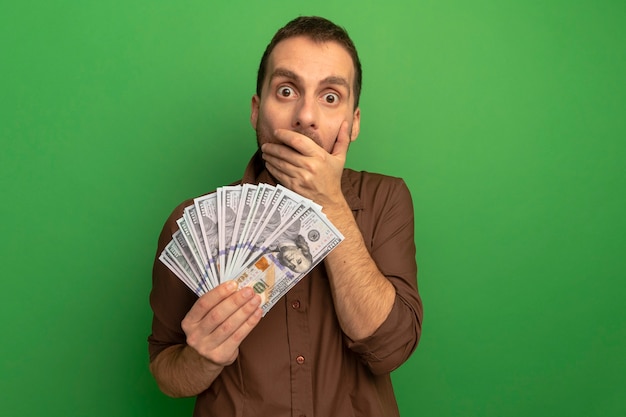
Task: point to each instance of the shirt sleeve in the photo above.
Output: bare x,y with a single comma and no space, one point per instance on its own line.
387,224
170,298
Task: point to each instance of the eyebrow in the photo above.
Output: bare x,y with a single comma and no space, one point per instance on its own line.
332,79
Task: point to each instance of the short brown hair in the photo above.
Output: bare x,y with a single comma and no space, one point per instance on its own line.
319,30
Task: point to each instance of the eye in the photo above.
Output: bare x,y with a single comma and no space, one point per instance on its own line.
331,98
285,91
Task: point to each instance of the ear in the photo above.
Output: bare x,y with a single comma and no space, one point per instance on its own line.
356,124
254,110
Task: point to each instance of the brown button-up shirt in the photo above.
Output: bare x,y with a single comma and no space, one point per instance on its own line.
297,361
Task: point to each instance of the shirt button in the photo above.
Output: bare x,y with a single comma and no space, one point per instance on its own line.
300,360
295,304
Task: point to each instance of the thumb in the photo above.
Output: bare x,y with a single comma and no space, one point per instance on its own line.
343,140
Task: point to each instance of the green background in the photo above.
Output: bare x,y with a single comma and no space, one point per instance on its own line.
507,120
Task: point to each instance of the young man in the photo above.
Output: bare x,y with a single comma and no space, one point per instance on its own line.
328,347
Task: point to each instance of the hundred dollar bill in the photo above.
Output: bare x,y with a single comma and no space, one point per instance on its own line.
198,271
186,233
284,206
260,205
295,196
283,262
227,203
206,207
190,215
245,209
174,255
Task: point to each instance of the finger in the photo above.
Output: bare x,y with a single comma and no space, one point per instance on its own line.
279,166
297,141
343,140
221,345
216,325
280,151
282,161
222,311
234,330
209,300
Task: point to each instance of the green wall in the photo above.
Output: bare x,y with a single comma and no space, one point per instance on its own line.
507,120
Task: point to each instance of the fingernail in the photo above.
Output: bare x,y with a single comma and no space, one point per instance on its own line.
247,292
231,285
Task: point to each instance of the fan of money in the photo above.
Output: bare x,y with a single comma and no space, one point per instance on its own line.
262,236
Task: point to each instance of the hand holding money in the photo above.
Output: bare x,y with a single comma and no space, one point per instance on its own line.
220,320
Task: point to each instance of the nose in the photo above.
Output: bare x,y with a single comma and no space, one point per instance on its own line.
306,114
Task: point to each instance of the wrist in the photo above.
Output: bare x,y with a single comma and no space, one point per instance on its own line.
202,361
337,210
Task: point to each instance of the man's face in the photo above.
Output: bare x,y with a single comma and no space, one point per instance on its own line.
308,89
294,259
